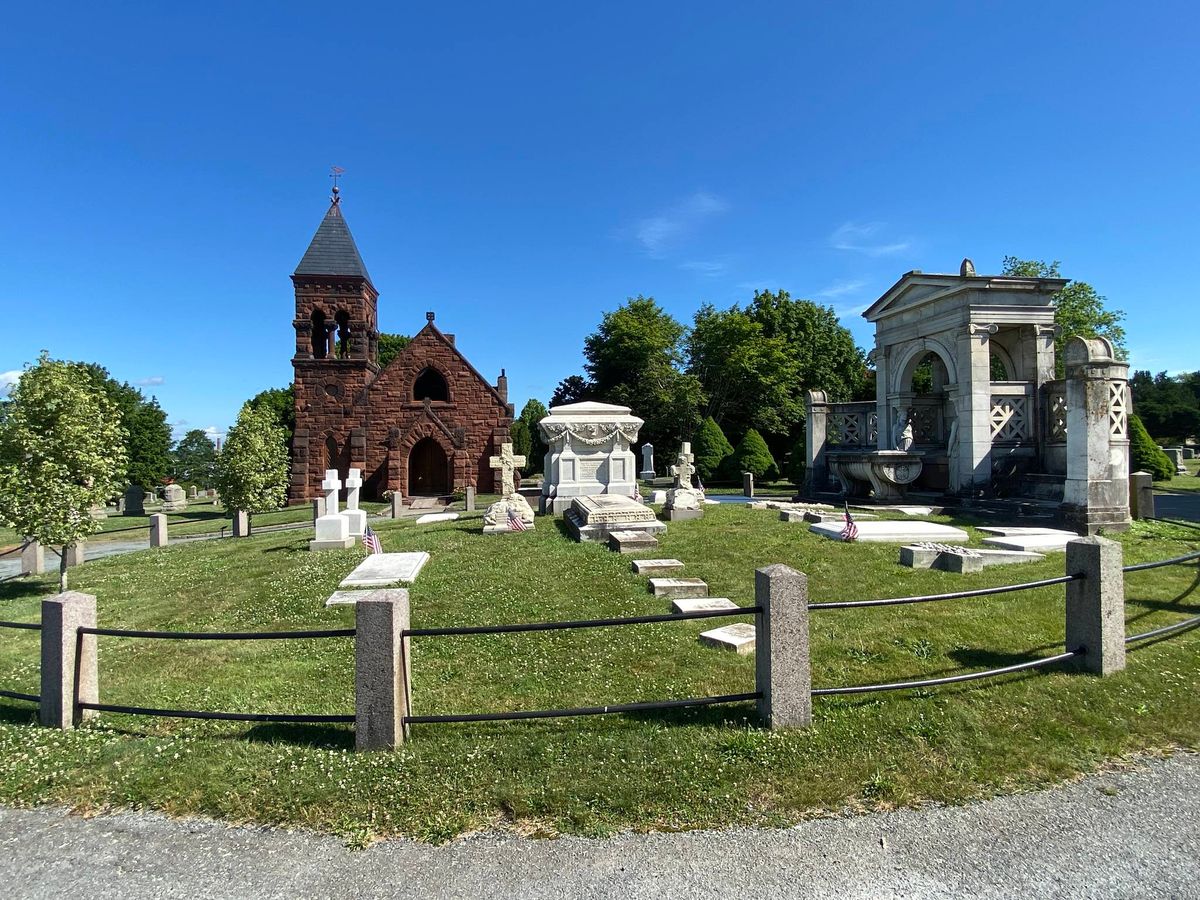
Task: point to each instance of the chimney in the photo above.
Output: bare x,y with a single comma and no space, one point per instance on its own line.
502,386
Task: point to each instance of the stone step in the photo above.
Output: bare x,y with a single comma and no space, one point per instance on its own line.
631,541
701,604
740,638
678,587
656,566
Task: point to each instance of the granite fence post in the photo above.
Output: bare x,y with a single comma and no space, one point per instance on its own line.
1141,495
397,504
68,660
747,484
158,530
33,558
382,670
318,507
470,498
782,671
241,523
1096,604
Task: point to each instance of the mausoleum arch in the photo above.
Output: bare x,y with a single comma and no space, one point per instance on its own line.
911,356
1000,358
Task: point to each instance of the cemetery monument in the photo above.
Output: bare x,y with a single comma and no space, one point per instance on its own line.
511,505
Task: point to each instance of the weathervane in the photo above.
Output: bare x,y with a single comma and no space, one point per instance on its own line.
336,172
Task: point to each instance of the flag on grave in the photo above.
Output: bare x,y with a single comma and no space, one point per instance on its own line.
850,532
514,521
371,541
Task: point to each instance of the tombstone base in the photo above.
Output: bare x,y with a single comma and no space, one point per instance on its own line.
631,541
339,544
682,515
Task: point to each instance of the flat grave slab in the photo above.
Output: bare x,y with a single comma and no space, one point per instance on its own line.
436,517
961,559
381,569
1008,531
1032,542
656,566
631,541
701,604
346,598
679,587
902,532
739,638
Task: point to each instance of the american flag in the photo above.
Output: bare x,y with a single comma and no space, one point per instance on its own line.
371,541
850,532
637,493
514,521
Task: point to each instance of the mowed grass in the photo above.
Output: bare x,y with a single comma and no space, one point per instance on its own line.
1189,482
694,768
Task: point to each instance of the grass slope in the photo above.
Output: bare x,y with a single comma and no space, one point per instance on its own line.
689,769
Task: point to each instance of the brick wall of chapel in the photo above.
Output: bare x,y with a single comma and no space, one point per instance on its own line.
375,420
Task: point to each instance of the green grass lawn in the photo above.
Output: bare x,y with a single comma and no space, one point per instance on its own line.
1188,482
691,768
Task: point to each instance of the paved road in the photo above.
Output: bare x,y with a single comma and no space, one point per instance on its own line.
1182,505
1128,834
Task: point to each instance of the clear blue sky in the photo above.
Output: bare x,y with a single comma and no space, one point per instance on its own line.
521,168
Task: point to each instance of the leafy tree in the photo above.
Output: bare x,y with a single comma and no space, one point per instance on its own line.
62,452
796,462
390,346
750,380
752,455
532,413
281,404
144,422
1168,406
194,458
1145,455
252,468
519,432
634,359
1078,309
572,389
710,448
824,352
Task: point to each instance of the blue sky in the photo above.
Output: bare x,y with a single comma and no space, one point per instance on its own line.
520,168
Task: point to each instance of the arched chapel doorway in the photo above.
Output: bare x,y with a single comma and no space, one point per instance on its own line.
428,469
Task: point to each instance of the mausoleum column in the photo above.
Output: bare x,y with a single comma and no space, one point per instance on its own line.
816,425
974,408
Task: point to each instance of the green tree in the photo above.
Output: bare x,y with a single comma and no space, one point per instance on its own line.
796,462
823,351
519,432
147,434
572,389
1145,455
252,467
1169,406
390,346
1078,309
532,413
753,455
62,452
634,359
280,403
710,448
749,379
194,458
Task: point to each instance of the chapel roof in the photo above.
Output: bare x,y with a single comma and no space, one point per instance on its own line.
333,251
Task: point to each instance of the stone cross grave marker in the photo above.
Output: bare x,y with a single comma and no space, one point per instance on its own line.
331,485
683,470
507,463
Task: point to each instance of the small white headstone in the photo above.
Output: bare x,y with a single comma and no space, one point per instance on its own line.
701,604
739,638
656,566
679,587
898,532
355,517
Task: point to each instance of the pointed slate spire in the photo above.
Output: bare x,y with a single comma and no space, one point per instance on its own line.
333,251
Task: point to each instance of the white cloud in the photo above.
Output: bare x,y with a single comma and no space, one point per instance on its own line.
7,380
864,237
214,432
841,288
707,268
152,381
661,233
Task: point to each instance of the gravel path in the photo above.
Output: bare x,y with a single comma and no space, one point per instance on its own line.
1125,834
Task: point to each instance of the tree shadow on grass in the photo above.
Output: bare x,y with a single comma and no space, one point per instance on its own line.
14,589
18,712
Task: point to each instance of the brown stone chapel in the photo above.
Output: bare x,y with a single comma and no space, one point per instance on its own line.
425,425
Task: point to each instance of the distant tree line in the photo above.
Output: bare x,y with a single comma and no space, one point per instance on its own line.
1169,405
